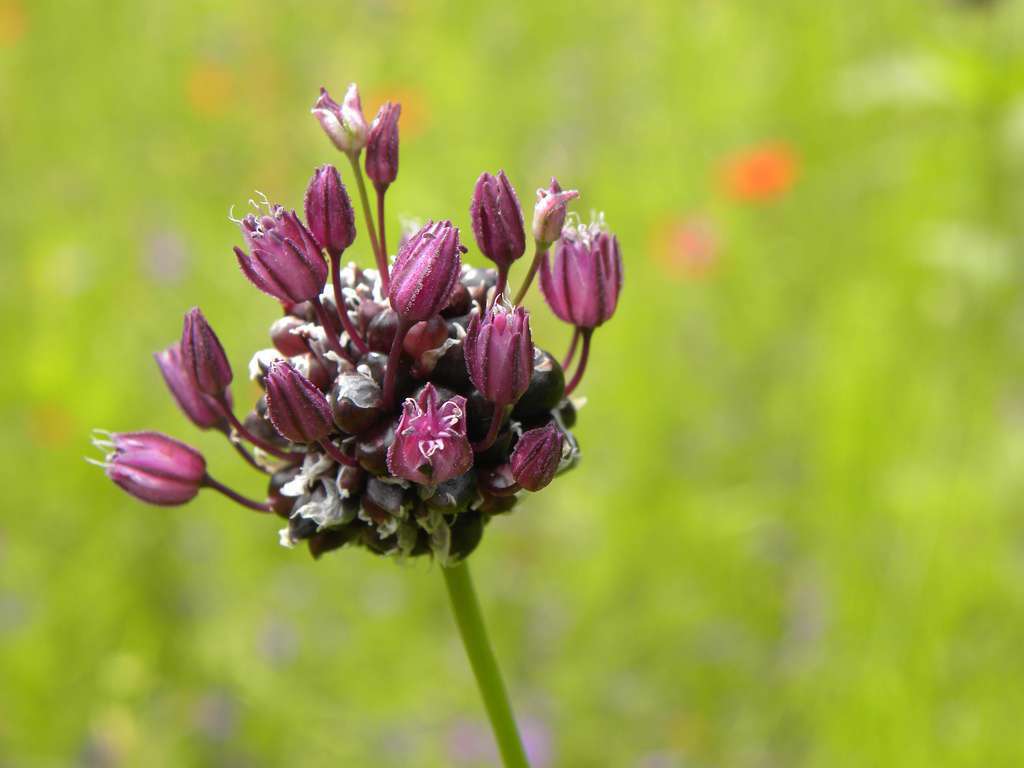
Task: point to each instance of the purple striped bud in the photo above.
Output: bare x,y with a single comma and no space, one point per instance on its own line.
343,123
430,441
286,261
153,467
582,282
536,457
549,213
329,211
297,409
382,146
203,356
199,408
497,219
499,353
426,271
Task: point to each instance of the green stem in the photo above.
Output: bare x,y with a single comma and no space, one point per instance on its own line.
485,666
382,264
539,252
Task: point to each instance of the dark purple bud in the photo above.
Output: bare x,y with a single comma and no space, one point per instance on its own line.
356,403
285,260
197,407
329,211
382,146
430,440
499,353
153,467
549,213
343,123
203,356
297,409
497,219
536,457
582,282
425,272
285,341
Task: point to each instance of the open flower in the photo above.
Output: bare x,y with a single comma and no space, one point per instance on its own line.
430,441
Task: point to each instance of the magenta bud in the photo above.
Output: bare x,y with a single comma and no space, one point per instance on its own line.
153,467
497,219
425,272
430,444
203,356
536,457
549,213
285,260
582,282
382,146
343,123
296,407
200,409
329,211
499,353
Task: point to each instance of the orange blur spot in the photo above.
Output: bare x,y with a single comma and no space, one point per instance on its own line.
50,425
761,173
686,247
209,89
12,22
415,108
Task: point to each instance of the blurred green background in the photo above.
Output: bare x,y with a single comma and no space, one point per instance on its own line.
797,536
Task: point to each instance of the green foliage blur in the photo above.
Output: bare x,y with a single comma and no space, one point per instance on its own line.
797,535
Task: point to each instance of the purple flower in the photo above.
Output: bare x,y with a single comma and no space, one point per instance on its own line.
549,213
497,220
499,353
582,282
286,261
343,123
153,467
426,271
200,409
297,409
536,457
203,356
382,146
329,211
430,441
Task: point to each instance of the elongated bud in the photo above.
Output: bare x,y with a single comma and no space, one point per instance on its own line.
285,260
343,123
425,272
382,146
152,467
499,353
536,457
297,409
203,356
497,219
549,213
197,407
582,282
329,211
430,441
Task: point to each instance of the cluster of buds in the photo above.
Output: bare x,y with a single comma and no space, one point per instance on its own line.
403,405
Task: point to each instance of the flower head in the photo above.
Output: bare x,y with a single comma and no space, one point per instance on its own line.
430,440
329,211
497,219
382,146
343,123
426,271
582,282
153,467
549,212
499,353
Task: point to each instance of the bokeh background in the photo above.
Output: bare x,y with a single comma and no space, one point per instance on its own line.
797,536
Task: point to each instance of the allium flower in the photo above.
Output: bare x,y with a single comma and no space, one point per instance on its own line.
285,260
499,353
329,211
200,408
297,409
426,271
153,467
537,456
430,440
203,356
497,220
382,146
343,123
582,282
549,212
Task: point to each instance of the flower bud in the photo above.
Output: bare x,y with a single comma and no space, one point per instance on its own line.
499,353
549,213
153,467
203,356
286,261
356,403
425,272
536,457
287,343
297,409
497,220
382,146
582,282
197,407
430,440
329,211
343,123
